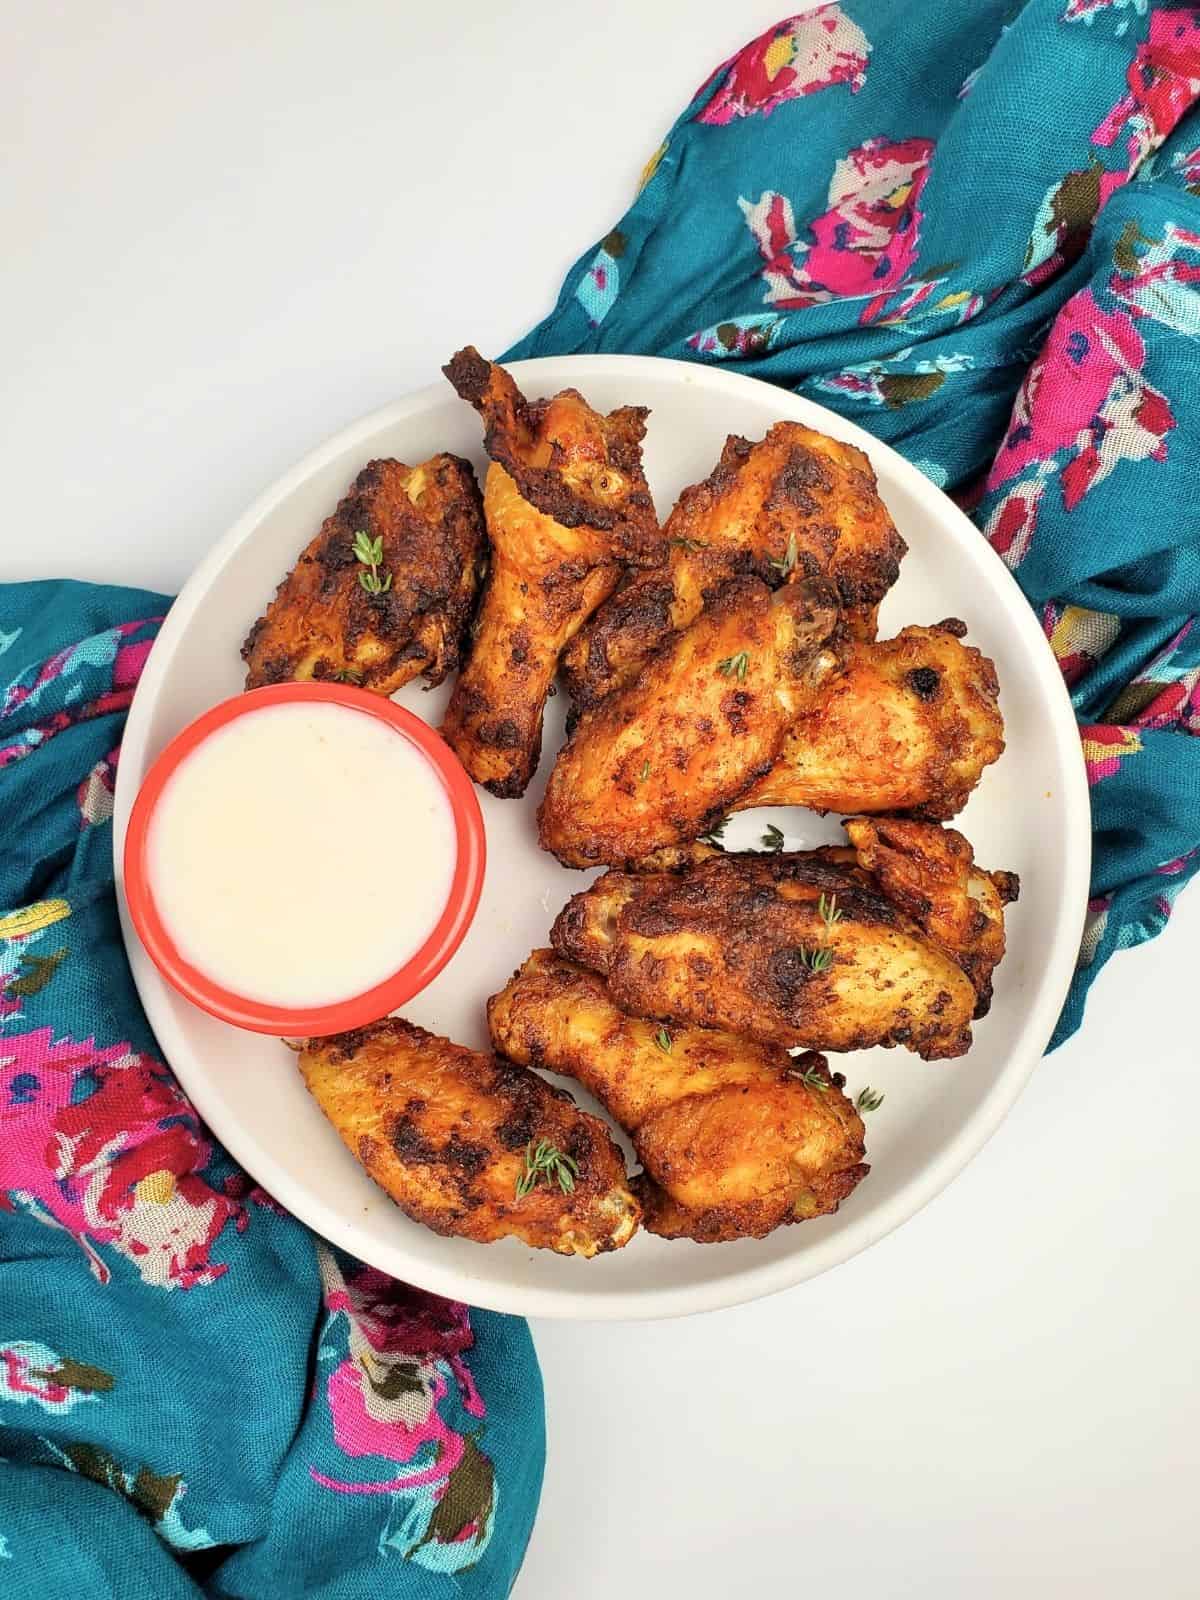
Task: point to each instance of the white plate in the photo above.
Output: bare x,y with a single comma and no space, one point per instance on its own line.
1030,814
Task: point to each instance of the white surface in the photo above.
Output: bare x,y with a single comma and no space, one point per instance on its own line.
1029,815
218,248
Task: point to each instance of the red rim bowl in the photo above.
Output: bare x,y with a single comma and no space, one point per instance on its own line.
373,1003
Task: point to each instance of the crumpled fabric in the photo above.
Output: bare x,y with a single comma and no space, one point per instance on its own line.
197,1395
974,228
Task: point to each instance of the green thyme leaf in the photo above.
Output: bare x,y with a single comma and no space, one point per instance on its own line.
546,1163
772,840
868,1099
664,1041
735,666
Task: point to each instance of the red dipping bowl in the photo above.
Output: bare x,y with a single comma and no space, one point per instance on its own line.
419,971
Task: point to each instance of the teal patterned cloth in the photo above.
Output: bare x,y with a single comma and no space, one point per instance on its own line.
974,228
196,1395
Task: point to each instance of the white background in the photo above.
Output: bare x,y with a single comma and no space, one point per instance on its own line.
229,229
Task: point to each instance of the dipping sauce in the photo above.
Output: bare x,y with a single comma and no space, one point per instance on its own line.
301,854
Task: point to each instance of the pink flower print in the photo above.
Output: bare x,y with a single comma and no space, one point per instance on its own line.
863,246
1085,393
100,1142
1012,522
1163,82
405,1348
796,57
1105,746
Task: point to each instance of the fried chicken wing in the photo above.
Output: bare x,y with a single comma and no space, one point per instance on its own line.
323,621
801,949
796,505
905,724
930,873
735,1137
656,763
566,506
449,1133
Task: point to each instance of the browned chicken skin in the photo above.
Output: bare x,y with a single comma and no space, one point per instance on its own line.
797,950
566,506
656,763
796,505
905,724
446,1132
930,873
736,1137
323,623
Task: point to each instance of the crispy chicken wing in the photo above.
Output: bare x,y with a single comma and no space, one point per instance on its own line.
797,949
736,1137
566,506
797,504
656,763
906,724
930,873
323,622
448,1133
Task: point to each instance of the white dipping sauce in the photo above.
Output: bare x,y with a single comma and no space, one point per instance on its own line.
301,854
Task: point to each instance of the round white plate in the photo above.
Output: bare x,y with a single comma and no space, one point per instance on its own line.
1030,815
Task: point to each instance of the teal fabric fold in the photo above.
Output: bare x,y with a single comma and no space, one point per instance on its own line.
197,1396
974,228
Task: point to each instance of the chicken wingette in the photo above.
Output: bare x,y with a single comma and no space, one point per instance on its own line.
736,1138
379,622
566,506
657,763
470,1145
904,724
796,505
799,950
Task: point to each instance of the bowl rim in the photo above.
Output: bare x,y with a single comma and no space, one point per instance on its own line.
259,1016
745,1284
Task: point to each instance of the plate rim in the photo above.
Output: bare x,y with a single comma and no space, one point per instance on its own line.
747,1283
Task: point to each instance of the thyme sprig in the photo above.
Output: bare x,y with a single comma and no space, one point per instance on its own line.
370,552
789,560
772,839
868,1099
735,666
546,1163
664,1041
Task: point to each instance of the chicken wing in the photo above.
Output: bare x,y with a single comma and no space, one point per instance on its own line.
797,949
930,873
410,615
656,763
906,724
736,1137
795,505
453,1135
566,506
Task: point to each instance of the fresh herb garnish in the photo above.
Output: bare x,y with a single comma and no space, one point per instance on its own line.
348,675
820,959
645,770
735,666
370,552
690,544
664,1041
715,835
813,1077
546,1163
828,909
868,1099
789,560
772,840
